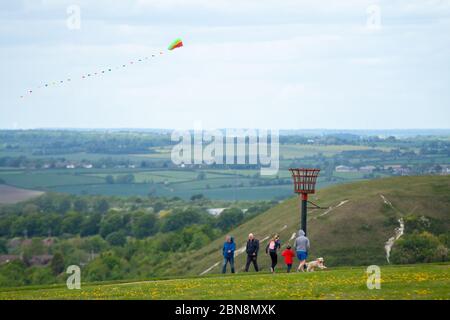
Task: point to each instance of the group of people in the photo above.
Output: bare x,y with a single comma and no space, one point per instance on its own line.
301,247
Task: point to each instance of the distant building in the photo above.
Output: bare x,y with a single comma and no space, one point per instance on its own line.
41,260
70,166
38,260
218,211
367,169
345,169
215,211
446,170
88,166
392,166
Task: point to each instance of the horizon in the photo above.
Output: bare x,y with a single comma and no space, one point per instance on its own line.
338,130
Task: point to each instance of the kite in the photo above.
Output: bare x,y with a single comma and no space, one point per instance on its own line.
177,43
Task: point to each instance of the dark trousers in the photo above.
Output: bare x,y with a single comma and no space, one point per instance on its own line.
274,258
289,266
251,259
229,260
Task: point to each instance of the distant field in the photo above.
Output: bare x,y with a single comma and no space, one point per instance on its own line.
216,184
143,189
425,281
226,184
10,194
42,179
290,151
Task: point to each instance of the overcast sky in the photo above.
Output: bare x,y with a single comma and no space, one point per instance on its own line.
289,64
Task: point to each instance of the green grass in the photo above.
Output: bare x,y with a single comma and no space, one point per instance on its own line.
426,281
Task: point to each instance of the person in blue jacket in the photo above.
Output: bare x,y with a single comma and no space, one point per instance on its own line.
228,253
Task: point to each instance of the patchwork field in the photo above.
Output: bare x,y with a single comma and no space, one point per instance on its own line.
12,195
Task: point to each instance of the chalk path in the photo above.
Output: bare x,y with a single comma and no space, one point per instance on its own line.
340,204
398,232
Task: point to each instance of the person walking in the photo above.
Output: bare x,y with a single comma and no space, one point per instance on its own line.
302,248
228,253
288,255
252,252
271,249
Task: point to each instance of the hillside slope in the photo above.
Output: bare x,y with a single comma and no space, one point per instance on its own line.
363,216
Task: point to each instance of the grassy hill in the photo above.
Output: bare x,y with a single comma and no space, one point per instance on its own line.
427,281
363,216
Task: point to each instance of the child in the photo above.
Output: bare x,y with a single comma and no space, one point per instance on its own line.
288,254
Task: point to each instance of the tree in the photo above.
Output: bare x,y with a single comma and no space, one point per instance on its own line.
19,226
52,223
90,225
94,244
64,205
125,179
145,225
101,206
197,197
109,179
80,205
106,267
13,274
199,239
71,223
30,208
230,218
36,247
179,219
111,223
158,206
3,246
57,263
39,275
117,238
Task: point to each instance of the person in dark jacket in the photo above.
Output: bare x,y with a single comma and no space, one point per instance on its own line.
271,249
228,254
252,252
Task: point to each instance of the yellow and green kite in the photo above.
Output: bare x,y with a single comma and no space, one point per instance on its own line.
177,43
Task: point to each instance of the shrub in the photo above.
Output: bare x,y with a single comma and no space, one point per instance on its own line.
230,218
418,248
13,274
57,263
116,238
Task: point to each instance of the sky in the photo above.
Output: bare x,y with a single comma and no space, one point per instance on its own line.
291,64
